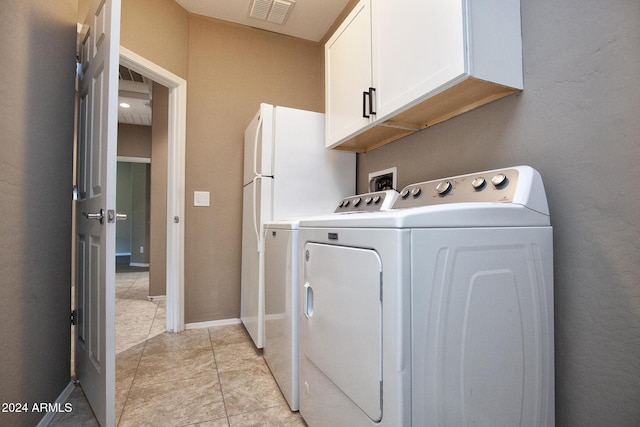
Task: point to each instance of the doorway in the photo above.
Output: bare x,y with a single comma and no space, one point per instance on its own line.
177,103
133,200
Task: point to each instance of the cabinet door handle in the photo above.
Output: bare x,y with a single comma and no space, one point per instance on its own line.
364,104
372,91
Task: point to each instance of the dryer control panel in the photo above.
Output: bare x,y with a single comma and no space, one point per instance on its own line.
369,202
491,186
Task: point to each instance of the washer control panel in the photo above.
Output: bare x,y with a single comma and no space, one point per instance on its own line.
369,202
493,186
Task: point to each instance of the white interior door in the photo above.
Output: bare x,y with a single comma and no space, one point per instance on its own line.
95,219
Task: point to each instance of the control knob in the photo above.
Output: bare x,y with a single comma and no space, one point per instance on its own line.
415,191
499,180
443,188
478,183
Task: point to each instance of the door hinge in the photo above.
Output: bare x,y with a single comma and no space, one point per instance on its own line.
74,316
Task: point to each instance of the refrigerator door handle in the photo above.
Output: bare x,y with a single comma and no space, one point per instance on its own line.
255,147
255,212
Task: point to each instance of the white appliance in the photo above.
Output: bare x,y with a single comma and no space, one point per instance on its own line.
281,307
287,173
438,312
282,291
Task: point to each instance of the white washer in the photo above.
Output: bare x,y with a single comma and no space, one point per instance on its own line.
281,290
438,312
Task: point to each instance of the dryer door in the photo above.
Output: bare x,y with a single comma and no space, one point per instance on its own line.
342,320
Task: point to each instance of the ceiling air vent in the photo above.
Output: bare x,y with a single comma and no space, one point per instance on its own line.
276,11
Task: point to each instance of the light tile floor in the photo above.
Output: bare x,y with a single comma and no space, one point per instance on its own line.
200,377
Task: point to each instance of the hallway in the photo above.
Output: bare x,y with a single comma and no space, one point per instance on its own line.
200,377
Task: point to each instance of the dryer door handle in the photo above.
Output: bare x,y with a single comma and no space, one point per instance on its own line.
308,306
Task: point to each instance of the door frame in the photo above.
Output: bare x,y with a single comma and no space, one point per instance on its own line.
175,179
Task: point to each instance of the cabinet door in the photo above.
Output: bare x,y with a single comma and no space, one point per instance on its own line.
348,66
420,47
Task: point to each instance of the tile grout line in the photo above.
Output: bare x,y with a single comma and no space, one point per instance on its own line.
126,400
224,403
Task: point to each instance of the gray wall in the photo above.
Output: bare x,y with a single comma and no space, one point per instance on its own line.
123,205
37,55
132,199
140,178
578,122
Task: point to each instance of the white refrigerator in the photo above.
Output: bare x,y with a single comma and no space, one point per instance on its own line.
288,173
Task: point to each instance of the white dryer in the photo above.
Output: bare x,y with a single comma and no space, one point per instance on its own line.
282,289
438,312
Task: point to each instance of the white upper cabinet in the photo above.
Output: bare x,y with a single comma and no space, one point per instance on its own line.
348,74
420,48
431,60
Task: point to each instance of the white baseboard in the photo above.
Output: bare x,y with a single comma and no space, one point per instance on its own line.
60,402
138,264
156,298
209,324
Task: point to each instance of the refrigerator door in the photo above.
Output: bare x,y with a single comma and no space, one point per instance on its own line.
258,144
308,178
256,210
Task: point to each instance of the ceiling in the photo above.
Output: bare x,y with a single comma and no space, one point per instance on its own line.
308,19
135,90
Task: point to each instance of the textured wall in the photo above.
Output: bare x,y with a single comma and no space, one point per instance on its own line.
156,30
134,140
232,69
158,206
36,151
577,122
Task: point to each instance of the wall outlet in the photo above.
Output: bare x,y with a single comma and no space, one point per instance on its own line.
141,249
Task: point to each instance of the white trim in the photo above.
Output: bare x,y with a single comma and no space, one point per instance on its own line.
156,298
175,180
134,159
138,264
211,323
60,401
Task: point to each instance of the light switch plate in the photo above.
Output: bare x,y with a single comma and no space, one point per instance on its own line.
201,198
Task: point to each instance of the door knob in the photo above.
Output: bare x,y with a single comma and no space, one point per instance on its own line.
112,216
95,215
